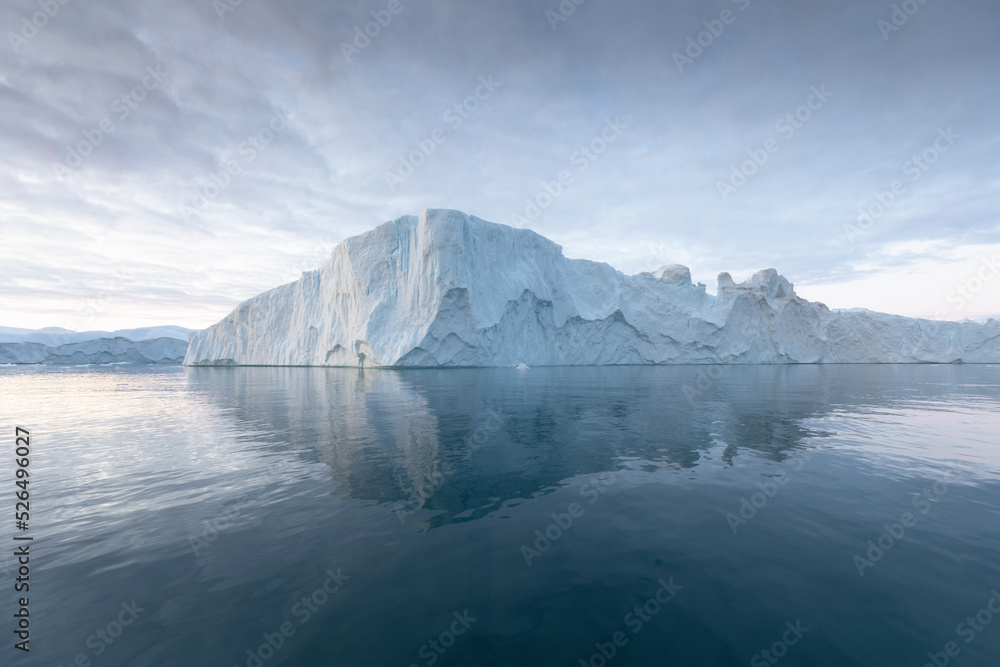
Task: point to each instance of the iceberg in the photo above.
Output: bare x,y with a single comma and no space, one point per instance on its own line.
150,345
445,289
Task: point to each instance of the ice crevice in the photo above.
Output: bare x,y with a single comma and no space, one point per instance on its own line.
447,289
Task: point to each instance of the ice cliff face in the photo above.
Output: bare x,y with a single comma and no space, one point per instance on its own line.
155,345
447,289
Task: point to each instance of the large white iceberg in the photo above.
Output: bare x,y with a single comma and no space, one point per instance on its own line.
447,289
150,345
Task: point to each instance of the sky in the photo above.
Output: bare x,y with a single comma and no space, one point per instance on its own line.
162,162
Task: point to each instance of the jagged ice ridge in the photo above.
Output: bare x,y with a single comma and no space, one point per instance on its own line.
447,289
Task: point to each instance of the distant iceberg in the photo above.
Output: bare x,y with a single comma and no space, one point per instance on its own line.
151,345
447,289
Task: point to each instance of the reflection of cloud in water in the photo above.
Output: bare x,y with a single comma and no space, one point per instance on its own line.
402,437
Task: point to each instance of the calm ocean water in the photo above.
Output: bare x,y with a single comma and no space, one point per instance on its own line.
806,515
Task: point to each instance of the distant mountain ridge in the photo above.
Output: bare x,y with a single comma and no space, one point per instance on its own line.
448,289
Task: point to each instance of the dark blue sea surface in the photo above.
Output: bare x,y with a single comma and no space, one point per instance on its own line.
692,516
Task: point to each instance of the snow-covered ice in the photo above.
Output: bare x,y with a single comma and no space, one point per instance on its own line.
447,289
150,345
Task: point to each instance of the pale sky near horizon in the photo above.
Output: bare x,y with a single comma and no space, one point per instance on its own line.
116,117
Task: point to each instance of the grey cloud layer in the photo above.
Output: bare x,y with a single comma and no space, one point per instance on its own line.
323,177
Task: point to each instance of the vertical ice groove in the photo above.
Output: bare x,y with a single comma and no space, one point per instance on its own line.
445,288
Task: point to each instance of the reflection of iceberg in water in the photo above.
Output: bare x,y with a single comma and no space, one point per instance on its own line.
376,434
433,439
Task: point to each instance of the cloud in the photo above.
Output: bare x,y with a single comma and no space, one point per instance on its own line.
653,192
